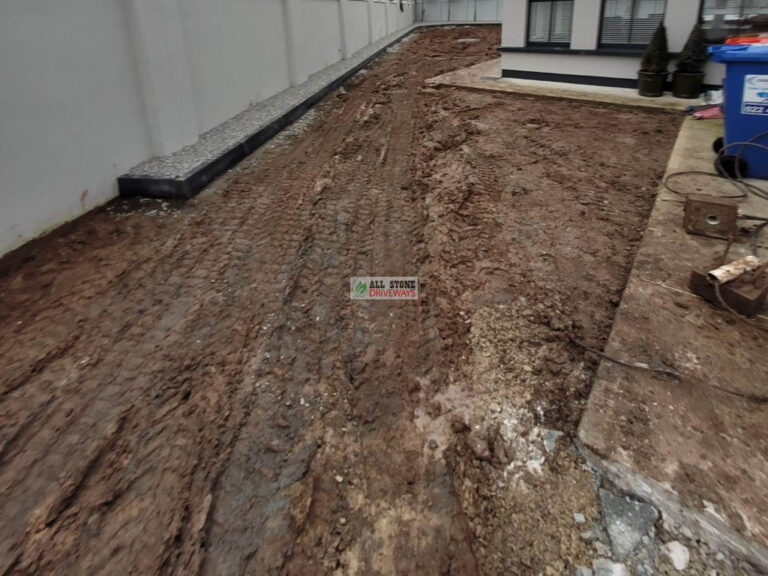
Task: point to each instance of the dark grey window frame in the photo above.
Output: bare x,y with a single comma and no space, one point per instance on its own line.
528,41
628,45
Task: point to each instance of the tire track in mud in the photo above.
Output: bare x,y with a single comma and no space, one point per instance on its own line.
196,280
203,249
374,493
266,423
351,212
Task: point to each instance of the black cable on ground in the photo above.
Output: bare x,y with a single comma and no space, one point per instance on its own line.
756,190
627,363
668,177
673,374
743,189
738,182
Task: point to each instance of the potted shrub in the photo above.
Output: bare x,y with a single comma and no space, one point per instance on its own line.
653,67
688,77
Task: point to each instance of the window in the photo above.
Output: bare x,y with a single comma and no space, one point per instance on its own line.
630,22
549,22
723,18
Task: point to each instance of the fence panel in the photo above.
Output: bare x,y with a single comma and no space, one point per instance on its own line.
459,10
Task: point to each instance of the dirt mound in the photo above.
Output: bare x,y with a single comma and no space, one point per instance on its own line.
189,390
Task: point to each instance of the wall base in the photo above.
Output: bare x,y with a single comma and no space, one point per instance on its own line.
162,184
586,80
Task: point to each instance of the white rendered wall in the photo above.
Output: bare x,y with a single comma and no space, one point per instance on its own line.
379,9
72,117
356,25
237,55
404,17
433,10
681,16
513,23
320,38
90,88
586,24
459,10
489,10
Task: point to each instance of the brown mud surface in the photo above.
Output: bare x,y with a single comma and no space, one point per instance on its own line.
189,390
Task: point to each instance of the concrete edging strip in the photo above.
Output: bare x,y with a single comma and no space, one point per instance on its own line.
707,527
193,181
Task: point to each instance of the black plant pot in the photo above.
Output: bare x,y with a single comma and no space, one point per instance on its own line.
687,84
651,84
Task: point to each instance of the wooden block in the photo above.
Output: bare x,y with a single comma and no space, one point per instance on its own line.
745,296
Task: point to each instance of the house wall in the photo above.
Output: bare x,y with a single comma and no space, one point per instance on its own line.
90,88
585,58
623,68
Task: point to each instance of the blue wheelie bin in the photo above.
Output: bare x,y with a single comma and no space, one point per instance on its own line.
746,103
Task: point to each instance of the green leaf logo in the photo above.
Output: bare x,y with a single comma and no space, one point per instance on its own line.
361,288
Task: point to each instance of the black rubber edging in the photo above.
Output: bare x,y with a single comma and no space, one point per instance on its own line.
588,80
628,52
570,78
194,181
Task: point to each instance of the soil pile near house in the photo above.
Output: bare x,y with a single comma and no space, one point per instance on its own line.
191,390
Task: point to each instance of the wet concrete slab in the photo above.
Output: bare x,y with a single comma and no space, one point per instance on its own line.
694,446
487,76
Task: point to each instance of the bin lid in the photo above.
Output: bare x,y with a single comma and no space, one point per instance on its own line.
739,53
751,39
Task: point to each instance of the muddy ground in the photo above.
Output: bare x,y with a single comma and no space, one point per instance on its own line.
189,390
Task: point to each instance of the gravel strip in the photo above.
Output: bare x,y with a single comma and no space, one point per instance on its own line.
232,132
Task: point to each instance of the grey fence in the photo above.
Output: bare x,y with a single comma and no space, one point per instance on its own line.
459,10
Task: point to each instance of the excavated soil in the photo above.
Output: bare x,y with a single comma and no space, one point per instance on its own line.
189,389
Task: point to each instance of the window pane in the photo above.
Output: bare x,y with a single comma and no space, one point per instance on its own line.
562,21
648,15
617,20
755,7
550,21
723,18
631,22
538,27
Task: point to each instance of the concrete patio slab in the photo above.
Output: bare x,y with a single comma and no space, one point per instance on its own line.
487,76
695,447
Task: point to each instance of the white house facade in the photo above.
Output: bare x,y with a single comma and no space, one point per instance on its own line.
600,42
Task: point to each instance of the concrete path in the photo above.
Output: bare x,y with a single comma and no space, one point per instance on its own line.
693,447
487,76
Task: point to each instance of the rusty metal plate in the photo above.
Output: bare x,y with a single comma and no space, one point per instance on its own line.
711,216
